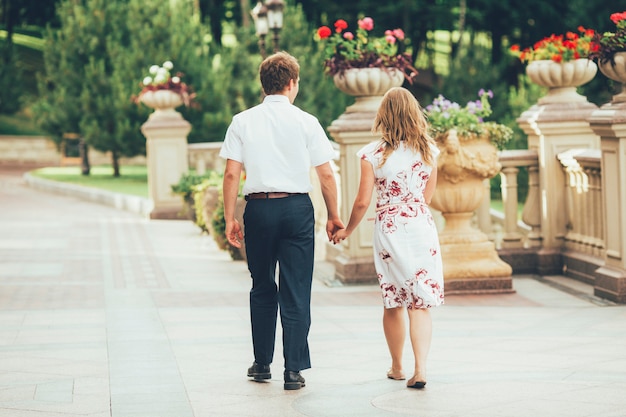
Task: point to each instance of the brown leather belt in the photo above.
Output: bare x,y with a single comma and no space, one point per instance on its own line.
265,196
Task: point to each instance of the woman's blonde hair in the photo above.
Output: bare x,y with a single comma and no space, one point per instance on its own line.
400,119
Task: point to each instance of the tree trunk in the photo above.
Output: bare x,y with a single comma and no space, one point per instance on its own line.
456,45
115,160
245,12
84,157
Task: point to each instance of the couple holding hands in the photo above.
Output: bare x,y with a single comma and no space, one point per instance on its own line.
277,143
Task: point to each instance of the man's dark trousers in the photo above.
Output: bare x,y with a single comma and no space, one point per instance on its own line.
281,230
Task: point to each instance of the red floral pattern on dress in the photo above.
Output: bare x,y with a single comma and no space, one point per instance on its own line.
401,209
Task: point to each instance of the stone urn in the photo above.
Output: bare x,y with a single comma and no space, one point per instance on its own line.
470,260
561,78
616,71
166,151
164,103
367,85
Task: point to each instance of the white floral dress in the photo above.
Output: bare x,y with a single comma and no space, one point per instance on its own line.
407,255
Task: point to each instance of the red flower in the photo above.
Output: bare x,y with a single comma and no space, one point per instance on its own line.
617,17
324,32
340,25
558,48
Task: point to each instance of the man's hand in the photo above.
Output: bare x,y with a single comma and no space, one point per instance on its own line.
332,226
233,233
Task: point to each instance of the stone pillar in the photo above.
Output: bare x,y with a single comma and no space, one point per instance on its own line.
610,123
166,148
556,124
353,258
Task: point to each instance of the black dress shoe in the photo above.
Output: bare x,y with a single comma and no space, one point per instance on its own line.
293,380
259,372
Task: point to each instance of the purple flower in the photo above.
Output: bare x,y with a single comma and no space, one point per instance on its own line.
482,92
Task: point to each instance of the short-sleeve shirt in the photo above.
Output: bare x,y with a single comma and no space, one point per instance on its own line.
277,143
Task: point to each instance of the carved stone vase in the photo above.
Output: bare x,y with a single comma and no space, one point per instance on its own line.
561,78
367,85
351,131
470,260
164,103
616,71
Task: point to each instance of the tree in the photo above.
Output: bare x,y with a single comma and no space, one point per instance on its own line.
97,48
59,108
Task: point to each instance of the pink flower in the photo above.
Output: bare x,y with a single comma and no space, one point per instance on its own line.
348,35
399,34
390,39
367,23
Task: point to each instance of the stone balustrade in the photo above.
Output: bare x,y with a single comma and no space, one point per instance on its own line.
205,155
511,162
573,221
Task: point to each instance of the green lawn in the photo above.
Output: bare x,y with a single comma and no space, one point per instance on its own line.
133,179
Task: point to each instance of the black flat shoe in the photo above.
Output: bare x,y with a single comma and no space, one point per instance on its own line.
293,380
259,372
416,384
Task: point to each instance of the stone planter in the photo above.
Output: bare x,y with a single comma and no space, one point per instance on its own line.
164,103
161,99
470,260
617,72
166,149
367,85
561,78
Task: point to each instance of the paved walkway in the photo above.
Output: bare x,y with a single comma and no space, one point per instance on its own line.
103,313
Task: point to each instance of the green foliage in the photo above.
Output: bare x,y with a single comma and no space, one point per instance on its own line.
318,94
92,68
189,180
225,83
468,121
218,227
10,80
20,123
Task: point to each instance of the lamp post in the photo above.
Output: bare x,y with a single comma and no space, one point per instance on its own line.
260,16
275,19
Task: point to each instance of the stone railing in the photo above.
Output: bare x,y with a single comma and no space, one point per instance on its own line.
205,155
583,201
583,248
512,237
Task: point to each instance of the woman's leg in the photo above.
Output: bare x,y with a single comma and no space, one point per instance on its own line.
420,332
393,324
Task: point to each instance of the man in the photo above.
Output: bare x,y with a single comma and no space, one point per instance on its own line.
277,143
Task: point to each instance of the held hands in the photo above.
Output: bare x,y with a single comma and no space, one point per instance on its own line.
339,236
332,226
336,231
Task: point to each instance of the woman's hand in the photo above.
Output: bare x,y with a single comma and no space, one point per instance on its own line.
340,235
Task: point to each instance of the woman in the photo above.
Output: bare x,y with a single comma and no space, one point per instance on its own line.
401,166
